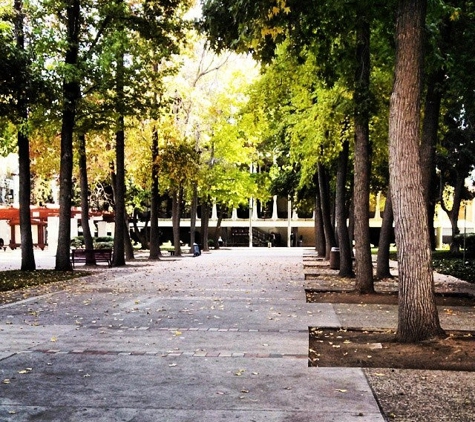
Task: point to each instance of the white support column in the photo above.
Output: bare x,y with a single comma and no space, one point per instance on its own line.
251,217
438,237
74,227
101,228
53,232
234,216
275,214
214,212
289,219
54,190
295,215
16,189
377,213
254,210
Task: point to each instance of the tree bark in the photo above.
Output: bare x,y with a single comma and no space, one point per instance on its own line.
71,94
346,261
417,312
129,249
119,200
217,233
328,229
194,208
27,254
142,237
84,186
430,127
119,231
205,208
453,213
319,230
364,265
176,217
384,244
154,202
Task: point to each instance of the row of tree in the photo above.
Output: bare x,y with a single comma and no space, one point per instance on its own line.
385,86
121,103
155,122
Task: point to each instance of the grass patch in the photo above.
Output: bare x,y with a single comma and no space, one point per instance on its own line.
17,279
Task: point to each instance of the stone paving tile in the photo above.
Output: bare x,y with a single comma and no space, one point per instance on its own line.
220,337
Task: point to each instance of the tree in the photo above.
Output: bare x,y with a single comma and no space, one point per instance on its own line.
384,244
154,244
417,317
83,180
344,243
364,268
119,199
452,91
27,255
71,94
456,161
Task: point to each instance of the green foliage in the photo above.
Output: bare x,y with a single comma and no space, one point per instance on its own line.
467,242
104,242
456,267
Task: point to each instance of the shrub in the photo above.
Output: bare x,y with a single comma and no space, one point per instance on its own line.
468,240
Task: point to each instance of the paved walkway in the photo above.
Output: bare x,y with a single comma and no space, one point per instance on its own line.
220,337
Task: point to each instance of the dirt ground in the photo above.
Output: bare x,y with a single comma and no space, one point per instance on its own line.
383,298
377,349
430,381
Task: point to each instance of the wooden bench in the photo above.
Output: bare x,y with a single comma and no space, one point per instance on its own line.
96,255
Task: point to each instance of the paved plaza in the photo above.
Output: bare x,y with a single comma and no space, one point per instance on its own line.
219,337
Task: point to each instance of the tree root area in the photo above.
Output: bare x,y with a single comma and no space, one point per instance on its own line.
332,347
382,298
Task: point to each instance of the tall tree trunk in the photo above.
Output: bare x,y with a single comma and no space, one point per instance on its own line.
154,202
324,187
364,265
384,244
346,261
129,249
71,93
176,218
119,200
430,127
119,231
453,213
27,254
83,183
319,230
194,207
205,208
142,237
417,314
217,232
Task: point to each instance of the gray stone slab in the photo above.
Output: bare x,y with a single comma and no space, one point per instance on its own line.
220,337
4,355
16,338
73,414
175,341
278,387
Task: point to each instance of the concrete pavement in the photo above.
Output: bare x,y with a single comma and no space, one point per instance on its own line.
220,337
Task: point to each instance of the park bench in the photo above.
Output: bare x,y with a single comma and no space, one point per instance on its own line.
98,255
